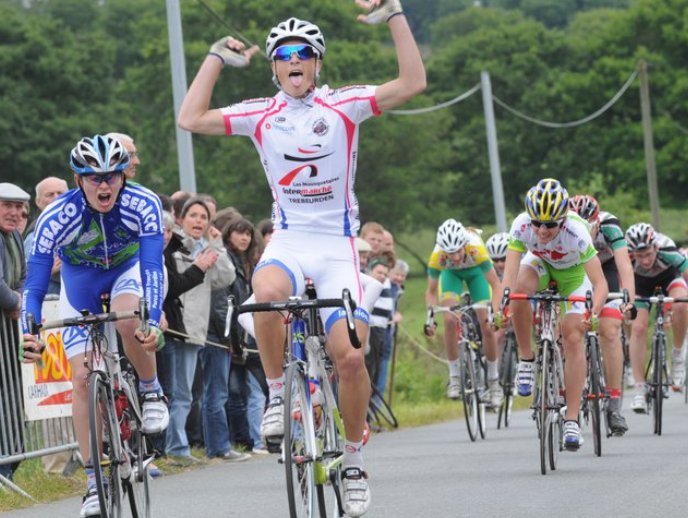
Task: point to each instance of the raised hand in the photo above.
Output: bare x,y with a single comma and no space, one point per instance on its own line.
233,52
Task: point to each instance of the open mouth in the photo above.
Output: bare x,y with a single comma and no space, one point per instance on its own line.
296,78
104,199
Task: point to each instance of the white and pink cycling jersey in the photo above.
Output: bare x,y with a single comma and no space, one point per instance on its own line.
571,247
308,148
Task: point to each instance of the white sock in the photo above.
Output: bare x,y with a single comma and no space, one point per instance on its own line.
276,386
492,370
454,369
352,454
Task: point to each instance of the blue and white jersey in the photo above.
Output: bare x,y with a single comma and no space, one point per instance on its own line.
100,242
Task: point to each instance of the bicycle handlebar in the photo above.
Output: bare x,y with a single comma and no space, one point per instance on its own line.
88,319
293,305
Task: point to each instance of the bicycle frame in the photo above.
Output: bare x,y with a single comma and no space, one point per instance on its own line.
312,449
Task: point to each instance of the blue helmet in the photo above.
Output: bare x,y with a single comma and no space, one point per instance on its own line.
98,155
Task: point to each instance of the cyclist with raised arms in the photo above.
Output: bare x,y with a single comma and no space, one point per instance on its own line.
609,241
657,264
109,235
549,243
460,260
307,139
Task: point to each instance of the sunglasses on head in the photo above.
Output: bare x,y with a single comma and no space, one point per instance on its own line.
302,50
97,179
547,224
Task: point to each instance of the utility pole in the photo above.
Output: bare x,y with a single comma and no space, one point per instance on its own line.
187,174
493,152
649,144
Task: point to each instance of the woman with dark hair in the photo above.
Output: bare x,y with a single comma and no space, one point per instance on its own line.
195,220
247,386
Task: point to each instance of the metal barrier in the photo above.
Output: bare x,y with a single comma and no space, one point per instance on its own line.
21,438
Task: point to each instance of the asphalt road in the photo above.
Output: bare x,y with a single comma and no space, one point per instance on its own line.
436,471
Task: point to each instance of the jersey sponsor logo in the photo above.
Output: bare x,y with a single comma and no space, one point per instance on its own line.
126,284
310,171
552,254
88,237
320,127
145,209
52,227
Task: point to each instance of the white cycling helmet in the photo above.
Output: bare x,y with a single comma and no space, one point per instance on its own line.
451,236
640,236
293,28
497,244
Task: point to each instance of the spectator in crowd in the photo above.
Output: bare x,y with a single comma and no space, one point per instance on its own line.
46,191
387,241
373,233
195,218
216,363
177,283
247,385
364,250
12,276
380,317
397,277
128,144
266,227
23,218
179,198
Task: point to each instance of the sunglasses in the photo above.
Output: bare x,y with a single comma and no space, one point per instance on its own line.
547,224
97,179
303,51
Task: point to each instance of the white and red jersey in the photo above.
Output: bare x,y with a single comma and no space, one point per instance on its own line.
308,148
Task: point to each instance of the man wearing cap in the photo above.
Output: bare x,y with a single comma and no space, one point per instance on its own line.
12,275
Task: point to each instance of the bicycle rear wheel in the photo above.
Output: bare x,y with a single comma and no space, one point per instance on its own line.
469,391
104,443
299,448
481,383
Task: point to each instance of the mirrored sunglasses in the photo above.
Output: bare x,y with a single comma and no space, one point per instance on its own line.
97,179
547,224
303,51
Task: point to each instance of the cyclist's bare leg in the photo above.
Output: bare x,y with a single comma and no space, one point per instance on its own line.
574,369
142,360
451,337
527,282
638,344
80,403
271,283
612,352
353,381
679,319
489,339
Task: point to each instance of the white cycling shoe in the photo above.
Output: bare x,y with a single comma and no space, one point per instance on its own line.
356,492
90,505
155,414
454,388
272,426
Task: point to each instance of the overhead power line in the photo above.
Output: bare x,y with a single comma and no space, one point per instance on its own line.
439,106
570,124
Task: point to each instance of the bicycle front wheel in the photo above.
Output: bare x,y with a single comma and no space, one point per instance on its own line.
658,378
328,471
469,391
137,486
544,403
508,374
299,448
105,445
595,394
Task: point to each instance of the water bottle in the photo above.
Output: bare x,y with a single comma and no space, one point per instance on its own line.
298,337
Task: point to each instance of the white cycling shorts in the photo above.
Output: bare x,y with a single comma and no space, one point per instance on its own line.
331,262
